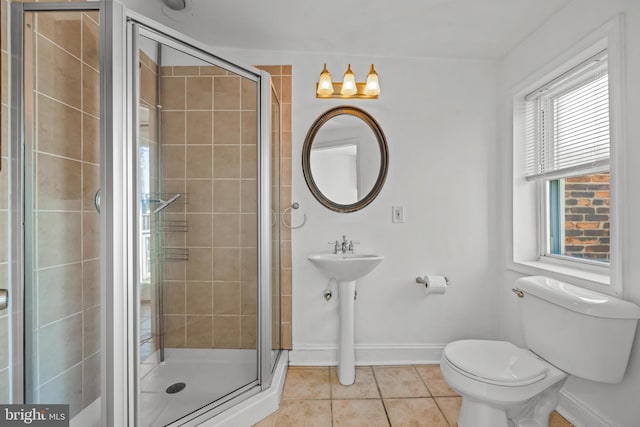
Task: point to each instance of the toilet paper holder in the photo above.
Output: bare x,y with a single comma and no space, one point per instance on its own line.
422,281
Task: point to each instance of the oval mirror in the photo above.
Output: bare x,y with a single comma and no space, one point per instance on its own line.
345,159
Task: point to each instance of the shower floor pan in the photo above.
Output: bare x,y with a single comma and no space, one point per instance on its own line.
208,375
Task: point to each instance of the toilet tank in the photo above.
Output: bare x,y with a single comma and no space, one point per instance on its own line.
585,333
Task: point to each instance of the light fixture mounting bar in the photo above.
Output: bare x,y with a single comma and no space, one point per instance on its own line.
337,87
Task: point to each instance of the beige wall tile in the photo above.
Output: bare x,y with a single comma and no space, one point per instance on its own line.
66,389
175,331
62,28
58,183
198,266
90,235
249,94
59,335
200,230
199,127
4,345
173,127
199,331
199,161
226,161
248,230
226,331
249,264
226,127
199,93
90,91
59,238
186,70
249,200
212,70
90,139
173,161
226,196
200,193
199,298
90,283
91,379
248,298
59,128
226,230
248,338
148,86
226,95
90,39
226,298
172,93
90,185
59,292
249,126
174,297
226,264
249,161
91,331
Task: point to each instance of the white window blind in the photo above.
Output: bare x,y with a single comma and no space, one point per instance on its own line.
567,122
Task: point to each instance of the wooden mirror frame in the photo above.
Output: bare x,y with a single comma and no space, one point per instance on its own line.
384,158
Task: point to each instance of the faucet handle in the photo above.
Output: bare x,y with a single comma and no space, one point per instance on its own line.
336,246
351,245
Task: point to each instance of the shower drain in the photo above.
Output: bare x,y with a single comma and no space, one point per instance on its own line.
175,388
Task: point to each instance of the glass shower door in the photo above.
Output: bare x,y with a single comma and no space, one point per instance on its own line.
56,234
196,144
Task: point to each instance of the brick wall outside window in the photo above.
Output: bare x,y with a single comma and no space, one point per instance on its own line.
587,204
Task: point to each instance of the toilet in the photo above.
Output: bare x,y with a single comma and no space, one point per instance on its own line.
568,330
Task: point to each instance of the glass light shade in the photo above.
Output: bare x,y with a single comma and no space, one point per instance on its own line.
372,87
349,83
325,86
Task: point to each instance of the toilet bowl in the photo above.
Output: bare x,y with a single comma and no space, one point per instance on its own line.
503,385
500,383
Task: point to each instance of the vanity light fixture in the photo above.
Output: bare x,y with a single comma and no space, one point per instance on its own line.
349,87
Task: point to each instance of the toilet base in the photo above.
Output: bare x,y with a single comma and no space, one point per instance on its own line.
532,413
474,414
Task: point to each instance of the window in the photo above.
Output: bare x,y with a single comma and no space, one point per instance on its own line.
567,141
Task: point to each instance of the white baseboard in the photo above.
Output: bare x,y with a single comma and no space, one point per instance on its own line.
381,354
257,407
577,413
89,416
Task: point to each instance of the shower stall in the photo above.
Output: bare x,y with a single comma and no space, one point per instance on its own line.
145,210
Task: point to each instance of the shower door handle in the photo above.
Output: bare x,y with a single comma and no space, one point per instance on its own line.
4,299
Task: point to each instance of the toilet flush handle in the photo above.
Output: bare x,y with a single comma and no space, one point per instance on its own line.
518,292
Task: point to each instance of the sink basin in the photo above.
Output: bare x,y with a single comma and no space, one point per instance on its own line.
345,267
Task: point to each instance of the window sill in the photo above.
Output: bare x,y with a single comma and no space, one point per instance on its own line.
580,277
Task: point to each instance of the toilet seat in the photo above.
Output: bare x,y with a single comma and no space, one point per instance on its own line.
495,362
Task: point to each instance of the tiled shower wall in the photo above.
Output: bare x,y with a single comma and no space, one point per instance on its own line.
281,79
209,153
208,149
66,233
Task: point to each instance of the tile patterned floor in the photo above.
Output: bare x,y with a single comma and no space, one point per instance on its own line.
385,396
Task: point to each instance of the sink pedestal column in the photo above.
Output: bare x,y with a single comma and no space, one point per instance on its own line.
347,353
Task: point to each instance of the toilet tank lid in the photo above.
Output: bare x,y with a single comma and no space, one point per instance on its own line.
578,299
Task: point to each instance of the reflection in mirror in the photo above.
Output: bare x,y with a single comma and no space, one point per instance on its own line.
345,159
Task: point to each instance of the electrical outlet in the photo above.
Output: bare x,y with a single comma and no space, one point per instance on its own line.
397,213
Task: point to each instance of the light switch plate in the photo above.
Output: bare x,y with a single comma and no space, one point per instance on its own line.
397,214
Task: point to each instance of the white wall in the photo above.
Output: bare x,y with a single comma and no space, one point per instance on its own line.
588,403
439,118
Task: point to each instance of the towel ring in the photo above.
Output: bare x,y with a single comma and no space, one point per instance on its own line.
294,205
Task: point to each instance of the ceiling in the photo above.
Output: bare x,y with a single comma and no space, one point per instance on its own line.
474,29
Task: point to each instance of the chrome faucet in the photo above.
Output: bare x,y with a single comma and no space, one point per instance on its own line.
344,247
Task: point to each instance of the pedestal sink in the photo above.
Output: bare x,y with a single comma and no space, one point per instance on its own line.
346,268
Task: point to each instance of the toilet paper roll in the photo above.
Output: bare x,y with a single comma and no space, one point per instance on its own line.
435,284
